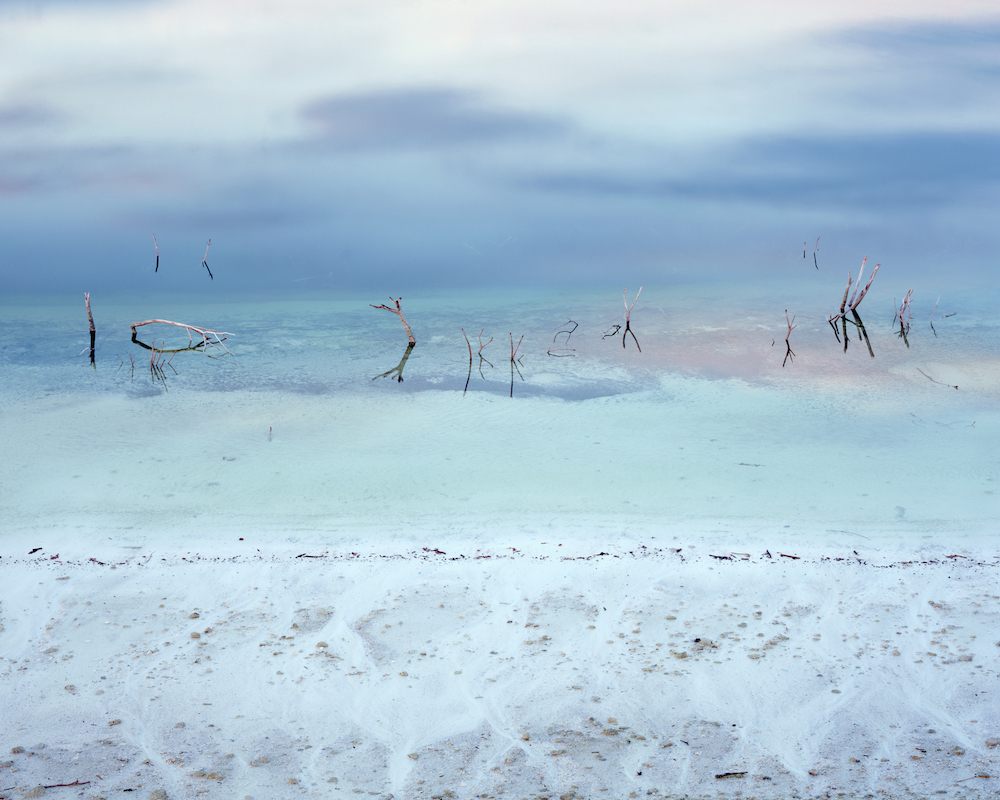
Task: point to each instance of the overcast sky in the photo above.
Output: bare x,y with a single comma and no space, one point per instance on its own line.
390,145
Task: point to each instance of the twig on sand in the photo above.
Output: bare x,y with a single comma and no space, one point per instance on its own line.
971,777
204,260
399,313
788,354
953,386
93,330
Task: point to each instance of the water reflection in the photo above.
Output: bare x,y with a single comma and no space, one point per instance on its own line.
211,345
398,369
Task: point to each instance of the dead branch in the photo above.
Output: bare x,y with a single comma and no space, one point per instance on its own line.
157,247
788,354
852,306
399,313
612,331
469,376
953,386
569,332
628,313
481,357
204,260
93,330
515,361
555,352
815,262
903,315
210,338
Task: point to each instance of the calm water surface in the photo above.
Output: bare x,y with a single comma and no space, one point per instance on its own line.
304,430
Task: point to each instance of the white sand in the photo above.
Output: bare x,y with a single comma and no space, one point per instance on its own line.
529,673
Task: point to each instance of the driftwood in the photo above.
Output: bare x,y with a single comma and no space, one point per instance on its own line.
399,313
210,338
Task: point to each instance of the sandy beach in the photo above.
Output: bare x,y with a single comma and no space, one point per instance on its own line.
538,671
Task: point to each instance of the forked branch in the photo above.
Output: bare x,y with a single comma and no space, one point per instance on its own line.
399,313
628,314
789,355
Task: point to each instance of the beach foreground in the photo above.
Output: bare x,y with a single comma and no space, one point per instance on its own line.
538,672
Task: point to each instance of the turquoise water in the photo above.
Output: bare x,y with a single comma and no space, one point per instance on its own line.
303,432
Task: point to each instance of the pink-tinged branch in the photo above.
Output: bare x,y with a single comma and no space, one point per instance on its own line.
399,313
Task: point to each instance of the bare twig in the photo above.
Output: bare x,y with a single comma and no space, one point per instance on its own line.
555,352
399,313
612,331
788,354
469,376
482,358
93,330
157,247
815,262
204,260
903,315
569,332
628,313
515,360
953,386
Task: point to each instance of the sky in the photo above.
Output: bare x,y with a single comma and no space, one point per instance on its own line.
391,144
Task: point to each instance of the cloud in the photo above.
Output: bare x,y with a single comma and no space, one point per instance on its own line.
418,118
922,39
890,171
25,115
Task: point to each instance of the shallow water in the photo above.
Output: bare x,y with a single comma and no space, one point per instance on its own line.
304,432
